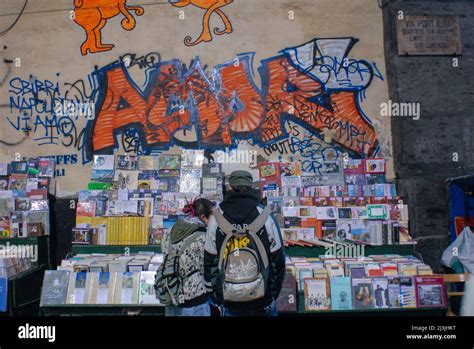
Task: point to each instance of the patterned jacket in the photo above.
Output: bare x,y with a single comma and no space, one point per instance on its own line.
191,263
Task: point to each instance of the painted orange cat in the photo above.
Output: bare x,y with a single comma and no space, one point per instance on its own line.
92,15
210,6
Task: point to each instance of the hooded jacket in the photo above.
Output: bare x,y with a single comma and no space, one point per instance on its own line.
243,208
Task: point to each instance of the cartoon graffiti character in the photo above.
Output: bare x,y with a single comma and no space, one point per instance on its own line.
92,15
210,6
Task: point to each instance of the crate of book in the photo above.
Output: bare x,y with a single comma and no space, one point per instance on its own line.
346,201
374,283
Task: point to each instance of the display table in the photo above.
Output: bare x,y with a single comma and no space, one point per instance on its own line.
367,312
103,310
293,251
24,292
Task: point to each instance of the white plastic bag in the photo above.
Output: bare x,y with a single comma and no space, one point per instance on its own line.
461,250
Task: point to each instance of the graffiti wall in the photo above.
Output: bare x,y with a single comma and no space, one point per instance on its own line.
287,81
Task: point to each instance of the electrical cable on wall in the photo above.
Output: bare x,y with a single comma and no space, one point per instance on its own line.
16,20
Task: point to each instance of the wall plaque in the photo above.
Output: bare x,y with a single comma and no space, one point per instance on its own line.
429,35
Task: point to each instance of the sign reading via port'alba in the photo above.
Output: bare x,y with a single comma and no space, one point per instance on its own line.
429,35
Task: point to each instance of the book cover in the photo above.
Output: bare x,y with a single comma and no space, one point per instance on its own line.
373,178
103,163
5,226
341,295
81,236
333,170
146,290
102,288
269,171
430,291
287,299
212,170
380,287
290,169
190,181
126,290
126,179
376,212
407,292
360,231
328,230
344,213
169,162
362,293
106,176
326,213
3,183
316,294
19,167
4,168
55,287
86,209
354,179
353,167
375,166
46,167
79,288
343,230
303,274
192,158
18,181
394,296
126,162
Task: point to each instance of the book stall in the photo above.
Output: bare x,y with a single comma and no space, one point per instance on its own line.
348,209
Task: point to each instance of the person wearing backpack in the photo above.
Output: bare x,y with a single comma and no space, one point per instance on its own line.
179,282
244,263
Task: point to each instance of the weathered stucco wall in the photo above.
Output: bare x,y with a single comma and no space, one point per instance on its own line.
335,84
